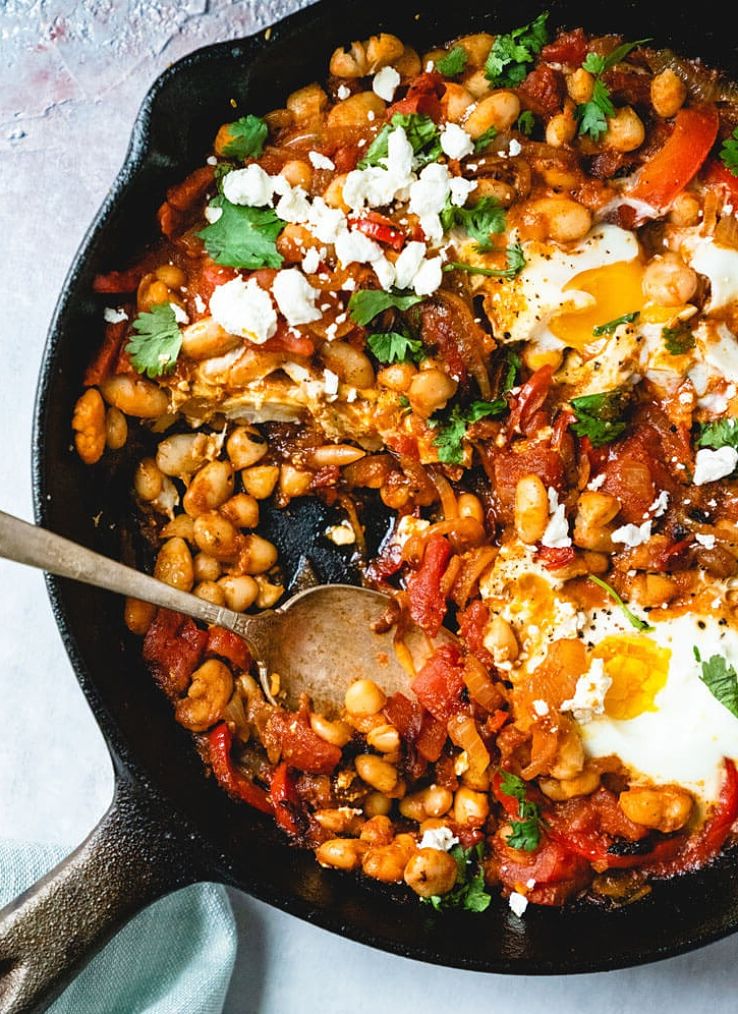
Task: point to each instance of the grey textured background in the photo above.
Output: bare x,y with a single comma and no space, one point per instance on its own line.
72,76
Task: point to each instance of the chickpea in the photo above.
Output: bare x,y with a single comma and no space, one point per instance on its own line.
594,512
625,131
210,591
500,110
209,488
429,391
668,281
431,872
377,773
477,47
116,429
364,697
370,472
135,396
470,807
397,377
477,84
216,536
333,194
377,831
685,210
337,733
341,853
306,105
138,616
350,63
351,365
183,453
531,509
665,808
245,447
408,65
580,85
386,862
181,527
269,594
88,423
355,111
432,802
456,100
294,481
240,591
560,130
259,481
498,190
258,555
569,760
377,805
151,292
174,565
210,691
668,93
500,640
171,275
581,785
147,480
654,589
340,821
384,739
241,510
382,50
565,220
205,339
205,567
470,506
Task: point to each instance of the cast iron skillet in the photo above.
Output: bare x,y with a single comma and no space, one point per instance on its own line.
169,825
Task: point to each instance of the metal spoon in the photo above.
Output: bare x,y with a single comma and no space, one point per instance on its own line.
318,643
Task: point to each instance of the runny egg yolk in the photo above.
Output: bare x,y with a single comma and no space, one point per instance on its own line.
638,668
615,290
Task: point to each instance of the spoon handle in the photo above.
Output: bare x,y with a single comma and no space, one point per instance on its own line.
35,547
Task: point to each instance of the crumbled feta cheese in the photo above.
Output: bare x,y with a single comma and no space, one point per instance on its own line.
179,314
429,277
515,147
540,707
556,535
212,214
211,160
518,904
353,247
343,92
113,316
455,142
385,83
530,883
325,223
293,206
200,304
660,504
311,261
341,535
408,526
597,483
439,838
632,535
384,269
713,465
700,377
330,383
460,189
408,264
244,309
708,541
589,693
295,296
429,193
378,186
320,161
250,186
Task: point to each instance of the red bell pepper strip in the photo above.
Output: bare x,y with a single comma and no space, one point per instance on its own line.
229,646
300,747
284,798
672,167
555,559
440,683
719,175
426,602
104,363
118,283
379,228
235,784
423,97
530,399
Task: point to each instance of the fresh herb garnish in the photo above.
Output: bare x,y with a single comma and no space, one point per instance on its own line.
729,152
154,349
422,133
635,621
612,325
454,62
593,115
721,433
599,416
365,304
395,347
721,680
246,137
485,139
515,264
469,893
509,59
526,122
678,340
526,832
479,221
243,237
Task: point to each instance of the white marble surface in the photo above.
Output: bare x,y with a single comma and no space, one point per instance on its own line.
72,75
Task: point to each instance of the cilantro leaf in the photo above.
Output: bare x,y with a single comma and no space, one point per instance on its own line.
729,152
508,60
594,63
515,264
365,304
421,131
485,139
721,433
633,620
526,832
154,349
526,122
599,416
479,221
513,368
394,347
678,340
593,115
721,680
454,62
612,325
469,892
221,171
243,237
486,410
246,138
450,438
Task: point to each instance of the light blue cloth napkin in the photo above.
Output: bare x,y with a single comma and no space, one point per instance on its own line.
176,957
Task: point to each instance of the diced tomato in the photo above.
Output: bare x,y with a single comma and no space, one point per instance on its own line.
440,683
301,748
637,468
284,799
170,220
555,559
669,171
346,157
432,737
405,715
520,458
229,646
184,195
472,624
719,175
207,276
379,228
496,721
569,48
423,97
118,283
403,444
557,872
103,365
426,601
235,783
286,340
543,91
173,647
530,399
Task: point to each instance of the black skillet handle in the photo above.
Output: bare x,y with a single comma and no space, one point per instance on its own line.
54,928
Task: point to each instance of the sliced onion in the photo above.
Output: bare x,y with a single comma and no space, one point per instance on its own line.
463,733
481,688
473,567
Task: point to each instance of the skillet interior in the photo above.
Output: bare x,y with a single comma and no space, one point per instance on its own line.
173,133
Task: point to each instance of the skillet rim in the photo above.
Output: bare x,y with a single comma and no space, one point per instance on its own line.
125,763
